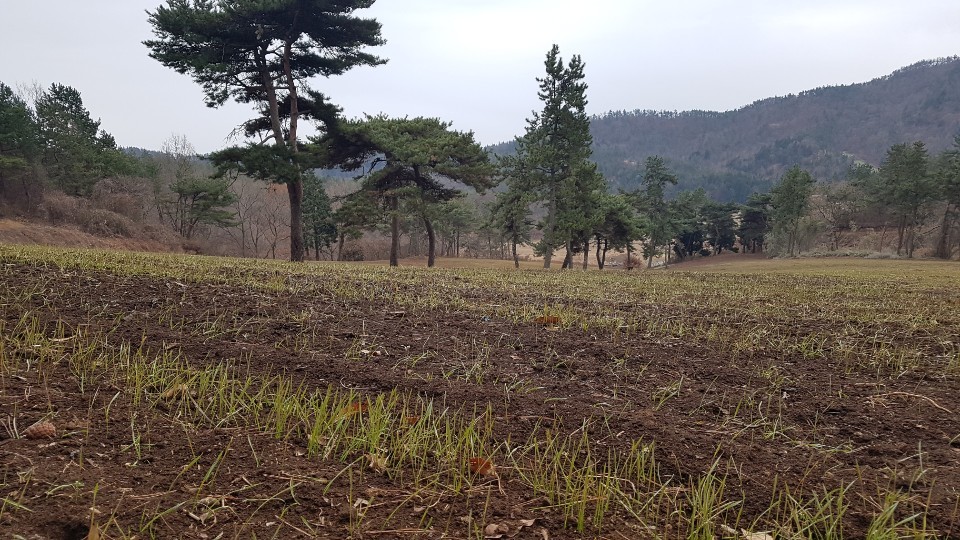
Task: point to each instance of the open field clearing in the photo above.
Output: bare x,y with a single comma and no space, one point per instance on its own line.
155,396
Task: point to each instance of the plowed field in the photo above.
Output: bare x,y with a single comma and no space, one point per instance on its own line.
205,398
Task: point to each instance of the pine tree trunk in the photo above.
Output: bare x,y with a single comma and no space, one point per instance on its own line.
586,253
431,242
548,231
547,257
911,236
516,257
794,248
295,187
394,231
901,232
943,249
295,191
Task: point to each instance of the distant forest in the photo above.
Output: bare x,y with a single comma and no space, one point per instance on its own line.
825,131
863,169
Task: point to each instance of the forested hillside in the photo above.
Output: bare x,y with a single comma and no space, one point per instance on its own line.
825,130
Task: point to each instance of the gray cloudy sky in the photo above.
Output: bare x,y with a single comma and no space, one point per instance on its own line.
473,62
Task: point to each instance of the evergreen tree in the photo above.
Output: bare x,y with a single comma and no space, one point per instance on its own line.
906,184
320,229
455,220
620,226
19,146
948,184
358,212
754,222
581,211
415,159
263,53
76,152
685,220
651,202
720,228
510,216
903,188
552,160
202,201
790,199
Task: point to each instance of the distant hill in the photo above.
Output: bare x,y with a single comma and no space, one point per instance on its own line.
825,130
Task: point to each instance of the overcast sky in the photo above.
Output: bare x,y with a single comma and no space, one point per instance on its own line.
474,62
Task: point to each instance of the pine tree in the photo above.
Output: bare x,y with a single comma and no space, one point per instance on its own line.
552,160
76,152
620,226
320,230
652,203
720,228
410,159
19,146
262,53
754,222
359,211
790,199
685,221
909,187
510,215
948,184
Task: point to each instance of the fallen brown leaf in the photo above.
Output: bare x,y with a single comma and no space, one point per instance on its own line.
483,467
94,533
357,407
377,462
495,530
176,392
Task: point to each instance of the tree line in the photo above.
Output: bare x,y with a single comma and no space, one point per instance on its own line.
418,177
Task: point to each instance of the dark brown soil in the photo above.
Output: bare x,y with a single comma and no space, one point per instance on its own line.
770,420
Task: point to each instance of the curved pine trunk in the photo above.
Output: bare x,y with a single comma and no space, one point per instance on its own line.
431,242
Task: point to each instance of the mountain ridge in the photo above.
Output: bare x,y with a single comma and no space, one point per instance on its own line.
825,130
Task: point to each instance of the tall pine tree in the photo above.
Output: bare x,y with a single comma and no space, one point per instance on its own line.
552,161
263,53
